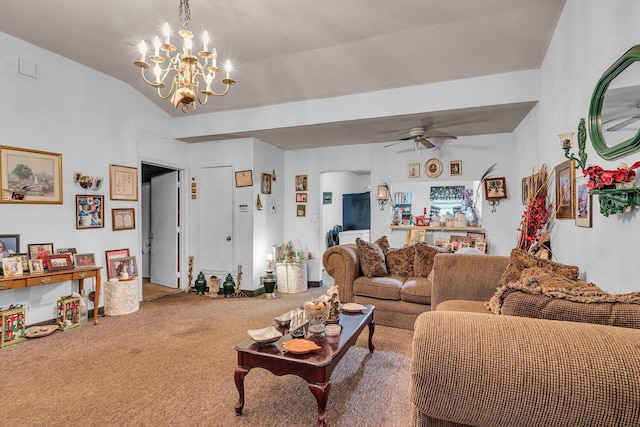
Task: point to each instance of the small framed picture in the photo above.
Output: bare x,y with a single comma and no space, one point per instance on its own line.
383,192
40,251
123,219
59,262
458,242
455,167
123,268
89,211
84,260
9,245
301,210
415,236
266,183
244,178
124,182
475,236
481,245
495,188
301,183
301,197
565,183
11,266
327,197
35,266
583,203
413,170
24,259
113,254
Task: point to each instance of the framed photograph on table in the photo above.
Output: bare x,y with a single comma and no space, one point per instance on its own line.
84,260
40,251
113,254
89,211
125,267
11,266
565,194
244,178
30,176
123,182
35,266
123,219
9,245
24,259
583,203
59,262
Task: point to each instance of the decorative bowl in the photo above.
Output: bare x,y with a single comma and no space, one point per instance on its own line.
266,335
284,320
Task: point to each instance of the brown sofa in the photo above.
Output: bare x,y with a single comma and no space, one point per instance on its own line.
473,368
399,299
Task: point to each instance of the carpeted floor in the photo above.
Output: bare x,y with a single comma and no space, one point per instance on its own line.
171,364
151,291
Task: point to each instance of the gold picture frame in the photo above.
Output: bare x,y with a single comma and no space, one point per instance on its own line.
123,182
565,190
301,182
455,167
244,178
266,183
123,219
30,176
413,170
301,210
433,168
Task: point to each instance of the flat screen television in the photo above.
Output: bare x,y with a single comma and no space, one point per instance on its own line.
356,211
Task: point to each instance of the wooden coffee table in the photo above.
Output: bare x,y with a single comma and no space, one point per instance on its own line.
314,367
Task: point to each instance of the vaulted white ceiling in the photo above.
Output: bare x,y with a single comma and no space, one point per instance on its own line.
288,51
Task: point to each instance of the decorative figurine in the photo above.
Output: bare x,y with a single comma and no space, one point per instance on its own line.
201,283
228,286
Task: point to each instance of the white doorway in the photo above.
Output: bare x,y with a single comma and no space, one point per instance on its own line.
217,238
161,222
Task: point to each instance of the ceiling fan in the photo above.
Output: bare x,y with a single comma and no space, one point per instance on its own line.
626,120
418,135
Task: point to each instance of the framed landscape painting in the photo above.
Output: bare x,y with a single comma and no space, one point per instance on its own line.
30,176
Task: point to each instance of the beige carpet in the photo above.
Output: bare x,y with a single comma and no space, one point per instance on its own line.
151,291
171,364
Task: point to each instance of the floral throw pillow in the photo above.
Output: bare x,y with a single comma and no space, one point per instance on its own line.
400,261
425,253
520,260
383,243
371,258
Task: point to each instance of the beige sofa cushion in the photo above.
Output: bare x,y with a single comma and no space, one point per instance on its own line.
372,260
400,261
465,306
537,295
520,260
378,287
418,289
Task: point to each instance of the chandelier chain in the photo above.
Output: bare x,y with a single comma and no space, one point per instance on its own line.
184,14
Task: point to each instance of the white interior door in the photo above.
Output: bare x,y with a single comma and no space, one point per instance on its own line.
164,251
216,244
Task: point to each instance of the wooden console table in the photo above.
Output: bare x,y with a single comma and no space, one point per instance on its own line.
47,278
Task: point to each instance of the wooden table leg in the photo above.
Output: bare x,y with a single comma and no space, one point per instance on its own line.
238,376
96,300
372,328
321,393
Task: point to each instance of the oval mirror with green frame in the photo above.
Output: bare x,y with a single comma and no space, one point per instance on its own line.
614,112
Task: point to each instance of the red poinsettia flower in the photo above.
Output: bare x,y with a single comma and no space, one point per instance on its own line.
598,177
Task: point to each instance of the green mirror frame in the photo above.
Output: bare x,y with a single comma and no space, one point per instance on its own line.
595,110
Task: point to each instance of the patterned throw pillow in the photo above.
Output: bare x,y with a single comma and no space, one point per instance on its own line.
383,243
371,258
425,253
521,260
400,261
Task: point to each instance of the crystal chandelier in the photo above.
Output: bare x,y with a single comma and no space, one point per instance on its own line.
184,70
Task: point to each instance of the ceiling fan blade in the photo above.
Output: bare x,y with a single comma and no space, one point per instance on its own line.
427,143
623,124
393,143
440,137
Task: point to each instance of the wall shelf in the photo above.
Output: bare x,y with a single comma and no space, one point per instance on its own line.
417,227
617,200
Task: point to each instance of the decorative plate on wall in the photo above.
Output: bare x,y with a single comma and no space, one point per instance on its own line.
433,168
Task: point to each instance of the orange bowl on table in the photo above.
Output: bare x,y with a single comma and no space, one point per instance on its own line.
300,346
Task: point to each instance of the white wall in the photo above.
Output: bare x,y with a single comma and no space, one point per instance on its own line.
590,37
93,121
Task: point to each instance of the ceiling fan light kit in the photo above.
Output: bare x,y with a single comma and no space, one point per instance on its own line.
419,136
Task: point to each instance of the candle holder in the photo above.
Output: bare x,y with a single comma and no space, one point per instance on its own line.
566,142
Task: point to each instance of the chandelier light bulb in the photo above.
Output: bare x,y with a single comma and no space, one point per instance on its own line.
227,66
167,32
205,41
142,47
156,45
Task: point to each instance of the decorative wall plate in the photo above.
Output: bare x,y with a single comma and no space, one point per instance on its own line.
433,168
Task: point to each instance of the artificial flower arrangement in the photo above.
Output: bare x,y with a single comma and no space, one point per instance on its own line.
538,216
601,179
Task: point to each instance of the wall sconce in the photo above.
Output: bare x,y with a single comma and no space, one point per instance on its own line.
566,140
87,182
